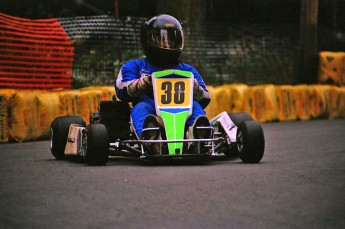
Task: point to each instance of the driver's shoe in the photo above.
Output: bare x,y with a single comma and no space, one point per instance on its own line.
152,121
194,133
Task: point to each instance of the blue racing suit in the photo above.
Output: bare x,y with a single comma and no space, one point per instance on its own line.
143,105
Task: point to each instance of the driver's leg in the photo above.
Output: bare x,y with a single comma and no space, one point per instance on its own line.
139,112
197,119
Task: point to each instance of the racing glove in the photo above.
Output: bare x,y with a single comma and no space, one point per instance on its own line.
199,93
137,87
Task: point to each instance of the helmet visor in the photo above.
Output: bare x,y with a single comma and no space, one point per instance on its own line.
167,39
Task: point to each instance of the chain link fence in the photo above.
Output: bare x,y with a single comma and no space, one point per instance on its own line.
251,54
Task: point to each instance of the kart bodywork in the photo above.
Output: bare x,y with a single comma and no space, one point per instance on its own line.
110,132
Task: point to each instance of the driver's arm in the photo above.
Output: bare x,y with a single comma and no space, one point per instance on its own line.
130,84
200,92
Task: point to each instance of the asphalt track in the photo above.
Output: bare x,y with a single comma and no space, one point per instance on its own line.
300,183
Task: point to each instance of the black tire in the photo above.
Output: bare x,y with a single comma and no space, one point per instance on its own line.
237,119
59,129
97,144
250,141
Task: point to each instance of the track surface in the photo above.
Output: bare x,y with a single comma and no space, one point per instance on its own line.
299,184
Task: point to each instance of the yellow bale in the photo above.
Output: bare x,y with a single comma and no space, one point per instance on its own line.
332,67
263,103
48,108
342,101
212,108
223,98
239,98
3,118
70,102
257,103
337,102
302,102
319,97
286,100
89,102
325,93
316,101
107,92
23,120
271,103
5,95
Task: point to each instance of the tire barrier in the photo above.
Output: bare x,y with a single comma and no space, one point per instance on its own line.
27,115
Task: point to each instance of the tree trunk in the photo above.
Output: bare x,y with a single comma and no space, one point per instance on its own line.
308,58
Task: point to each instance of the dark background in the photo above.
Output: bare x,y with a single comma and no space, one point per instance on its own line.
330,12
228,41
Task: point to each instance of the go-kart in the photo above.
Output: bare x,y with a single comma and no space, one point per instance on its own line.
110,132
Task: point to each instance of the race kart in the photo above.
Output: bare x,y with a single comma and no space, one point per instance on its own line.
110,132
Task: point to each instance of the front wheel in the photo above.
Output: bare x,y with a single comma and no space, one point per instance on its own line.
237,119
250,141
97,144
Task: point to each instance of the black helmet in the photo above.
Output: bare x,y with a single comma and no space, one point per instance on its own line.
162,40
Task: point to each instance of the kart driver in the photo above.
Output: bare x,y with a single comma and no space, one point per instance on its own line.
162,42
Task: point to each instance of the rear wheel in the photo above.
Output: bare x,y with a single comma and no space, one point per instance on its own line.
250,141
97,144
58,134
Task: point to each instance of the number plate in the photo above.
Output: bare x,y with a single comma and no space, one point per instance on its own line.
173,92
